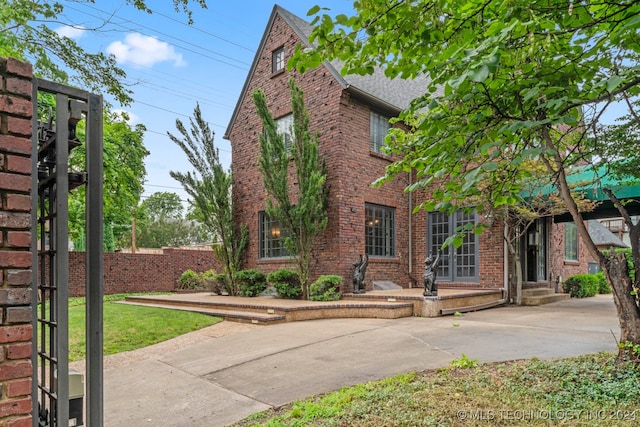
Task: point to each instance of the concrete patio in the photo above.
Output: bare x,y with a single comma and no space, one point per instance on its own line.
391,304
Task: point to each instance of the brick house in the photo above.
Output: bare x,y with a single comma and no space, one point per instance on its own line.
351,115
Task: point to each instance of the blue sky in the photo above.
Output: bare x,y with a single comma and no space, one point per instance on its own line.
171,65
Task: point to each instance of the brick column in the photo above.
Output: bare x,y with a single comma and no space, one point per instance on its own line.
15,243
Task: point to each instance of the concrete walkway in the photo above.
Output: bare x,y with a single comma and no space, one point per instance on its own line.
219,381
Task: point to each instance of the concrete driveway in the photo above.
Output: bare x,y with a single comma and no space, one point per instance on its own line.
218,381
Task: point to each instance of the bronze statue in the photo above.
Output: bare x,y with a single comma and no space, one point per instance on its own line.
359,269
429,275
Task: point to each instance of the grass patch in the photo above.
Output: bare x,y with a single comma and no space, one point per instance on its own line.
585,390
129,327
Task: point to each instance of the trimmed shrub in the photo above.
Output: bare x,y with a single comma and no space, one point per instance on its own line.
250,282
581,285
286,282
603,285
326,288
214,282
190,280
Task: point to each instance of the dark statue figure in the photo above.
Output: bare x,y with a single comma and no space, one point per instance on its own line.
359,269
429,275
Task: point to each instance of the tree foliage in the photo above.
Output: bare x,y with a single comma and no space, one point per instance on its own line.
160,223
25,34
209,186
124,173
510,82
301,208
163,204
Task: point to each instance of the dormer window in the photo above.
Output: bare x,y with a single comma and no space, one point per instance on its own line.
277,60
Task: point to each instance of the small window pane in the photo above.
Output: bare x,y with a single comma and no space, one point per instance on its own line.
277,60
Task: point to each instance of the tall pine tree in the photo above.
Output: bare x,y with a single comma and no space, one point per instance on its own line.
209,186
301,207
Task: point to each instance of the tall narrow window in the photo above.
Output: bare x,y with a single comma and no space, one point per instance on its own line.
570,242
277,60
379,127
285,128
271,238
379,231
456,264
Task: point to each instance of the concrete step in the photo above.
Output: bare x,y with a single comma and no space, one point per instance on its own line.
230,315
544,299
264,311
534,292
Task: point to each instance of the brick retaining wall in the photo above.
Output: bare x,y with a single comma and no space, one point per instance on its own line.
126,273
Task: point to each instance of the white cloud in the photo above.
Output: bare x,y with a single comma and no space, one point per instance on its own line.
126,116
70,32
144,50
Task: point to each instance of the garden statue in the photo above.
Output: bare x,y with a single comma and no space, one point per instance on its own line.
359,268
429,275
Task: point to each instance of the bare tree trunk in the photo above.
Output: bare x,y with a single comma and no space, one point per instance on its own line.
614,265
516,268
617,272
518,264
625,290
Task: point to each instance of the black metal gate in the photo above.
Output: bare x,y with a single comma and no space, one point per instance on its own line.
54,138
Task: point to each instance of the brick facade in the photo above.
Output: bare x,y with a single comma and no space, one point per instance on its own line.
15,243
342,120
343,124
559,267
127,273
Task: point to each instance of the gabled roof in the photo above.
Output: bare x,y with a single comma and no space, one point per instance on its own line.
392,95
602,236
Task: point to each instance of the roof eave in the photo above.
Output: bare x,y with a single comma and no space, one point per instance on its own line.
373,100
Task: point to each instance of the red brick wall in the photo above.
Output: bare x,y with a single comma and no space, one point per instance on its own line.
15,242
491,250
343,125
126,273
558,266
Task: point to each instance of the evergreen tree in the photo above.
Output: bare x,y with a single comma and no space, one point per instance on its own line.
300,208
209,185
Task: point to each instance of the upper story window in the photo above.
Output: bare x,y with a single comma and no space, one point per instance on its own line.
277,60
285,129
456,264
380,231
379,127
570,242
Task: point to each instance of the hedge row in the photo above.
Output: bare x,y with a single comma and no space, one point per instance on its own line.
253,282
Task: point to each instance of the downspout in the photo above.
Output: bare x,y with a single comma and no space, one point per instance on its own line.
410,236
506,288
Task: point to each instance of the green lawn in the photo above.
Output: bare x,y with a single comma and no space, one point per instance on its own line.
129,327
581,391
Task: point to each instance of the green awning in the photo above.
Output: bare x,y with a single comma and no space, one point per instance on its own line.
590,182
